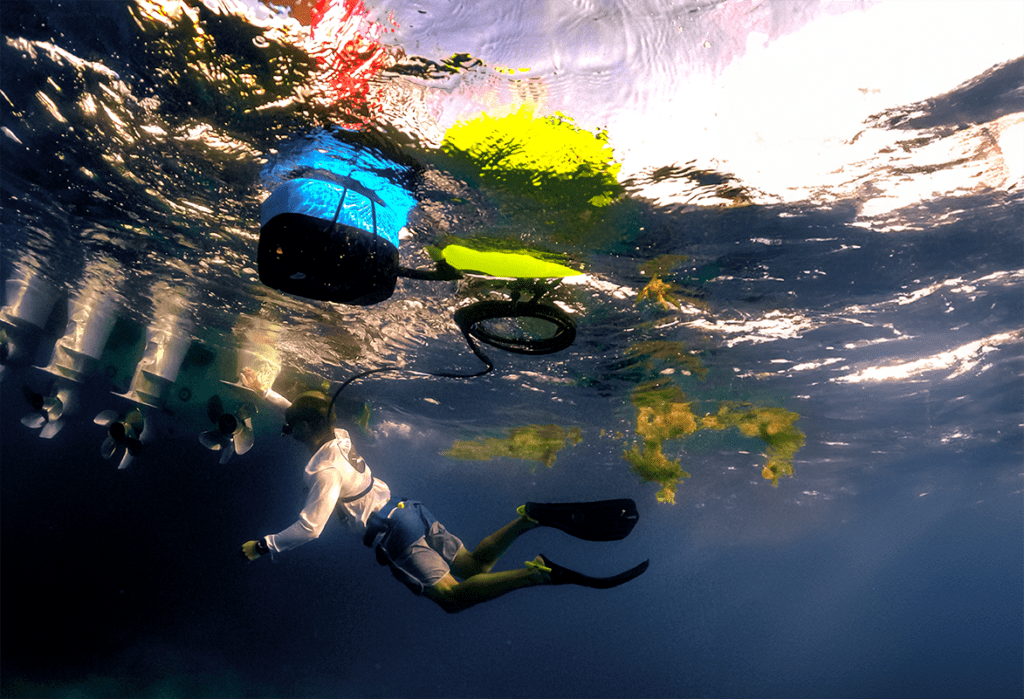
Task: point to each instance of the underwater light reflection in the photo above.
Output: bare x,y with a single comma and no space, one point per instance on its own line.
773,325
959,360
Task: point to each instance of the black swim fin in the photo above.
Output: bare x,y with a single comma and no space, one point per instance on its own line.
604,520
565,576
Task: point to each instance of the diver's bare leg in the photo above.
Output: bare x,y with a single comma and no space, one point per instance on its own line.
454,596
488,551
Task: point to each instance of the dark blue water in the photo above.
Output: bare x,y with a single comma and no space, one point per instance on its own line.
850,254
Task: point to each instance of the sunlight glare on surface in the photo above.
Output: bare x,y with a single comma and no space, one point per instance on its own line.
960,359
785,125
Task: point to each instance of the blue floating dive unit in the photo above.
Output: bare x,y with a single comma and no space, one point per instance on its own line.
329,229
307,251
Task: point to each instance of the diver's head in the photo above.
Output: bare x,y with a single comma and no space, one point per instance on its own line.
307,420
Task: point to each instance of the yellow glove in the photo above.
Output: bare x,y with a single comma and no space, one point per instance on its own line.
254,549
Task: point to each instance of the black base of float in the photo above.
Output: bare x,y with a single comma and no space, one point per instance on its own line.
309,257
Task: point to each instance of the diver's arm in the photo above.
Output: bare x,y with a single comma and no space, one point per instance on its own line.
323,497
251,380
276,399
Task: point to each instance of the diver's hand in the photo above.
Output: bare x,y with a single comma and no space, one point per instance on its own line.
251,380
254,549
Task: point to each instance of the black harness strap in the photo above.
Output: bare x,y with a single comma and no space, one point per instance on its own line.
363,493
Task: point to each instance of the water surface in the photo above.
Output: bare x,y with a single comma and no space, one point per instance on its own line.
798,345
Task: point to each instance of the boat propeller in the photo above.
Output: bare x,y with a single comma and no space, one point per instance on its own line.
46,410
234,434
122,432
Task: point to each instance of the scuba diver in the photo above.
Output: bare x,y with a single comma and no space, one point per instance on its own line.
330,231
405,536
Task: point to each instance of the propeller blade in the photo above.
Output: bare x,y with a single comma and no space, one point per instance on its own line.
229,451
245,413
106,417
54,408
213,440
136,421
51,429
34,420
244,439
108,447
126,460
214,408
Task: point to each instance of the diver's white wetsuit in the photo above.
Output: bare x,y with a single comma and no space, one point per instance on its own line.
331,478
